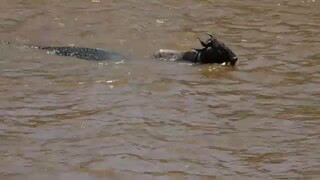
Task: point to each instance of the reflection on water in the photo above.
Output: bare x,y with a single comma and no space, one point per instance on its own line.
64,118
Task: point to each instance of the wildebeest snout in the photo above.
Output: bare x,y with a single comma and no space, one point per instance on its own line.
234,61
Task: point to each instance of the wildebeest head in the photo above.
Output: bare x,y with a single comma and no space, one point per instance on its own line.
214,51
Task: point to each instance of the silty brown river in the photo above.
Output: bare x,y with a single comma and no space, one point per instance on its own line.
65,118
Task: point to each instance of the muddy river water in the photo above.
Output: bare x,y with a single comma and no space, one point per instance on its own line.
65,118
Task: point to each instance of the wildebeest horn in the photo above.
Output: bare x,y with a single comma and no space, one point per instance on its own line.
202,43
211,36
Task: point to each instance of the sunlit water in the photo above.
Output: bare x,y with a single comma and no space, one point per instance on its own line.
65,118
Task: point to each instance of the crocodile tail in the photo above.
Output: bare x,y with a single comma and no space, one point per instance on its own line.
5,42
19,45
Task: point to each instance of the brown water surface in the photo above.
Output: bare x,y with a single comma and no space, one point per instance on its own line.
65,118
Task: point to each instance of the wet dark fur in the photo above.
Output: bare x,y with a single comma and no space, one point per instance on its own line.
214,51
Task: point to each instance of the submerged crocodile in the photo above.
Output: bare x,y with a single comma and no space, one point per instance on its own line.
212,51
